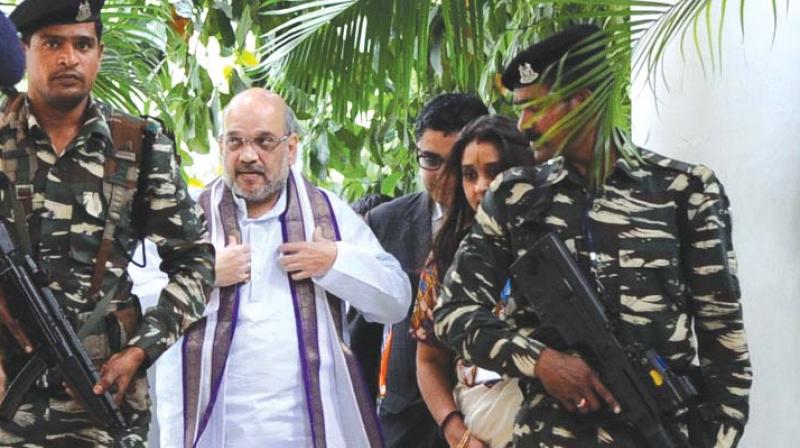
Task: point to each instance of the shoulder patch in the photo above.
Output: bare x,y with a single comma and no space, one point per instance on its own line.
653,158
702,172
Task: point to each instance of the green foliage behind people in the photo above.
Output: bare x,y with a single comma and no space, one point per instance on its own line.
357,71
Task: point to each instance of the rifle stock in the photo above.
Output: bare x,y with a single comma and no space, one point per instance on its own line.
55,343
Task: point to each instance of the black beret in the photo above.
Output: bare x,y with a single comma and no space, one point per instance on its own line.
529,66
31,15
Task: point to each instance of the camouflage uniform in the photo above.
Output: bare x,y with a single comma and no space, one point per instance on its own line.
657,236
66,226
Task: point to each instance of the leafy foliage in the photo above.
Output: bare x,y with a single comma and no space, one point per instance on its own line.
358,71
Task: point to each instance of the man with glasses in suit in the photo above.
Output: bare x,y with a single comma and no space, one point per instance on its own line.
405,228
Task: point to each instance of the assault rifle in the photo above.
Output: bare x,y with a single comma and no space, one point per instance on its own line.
31,302
649,393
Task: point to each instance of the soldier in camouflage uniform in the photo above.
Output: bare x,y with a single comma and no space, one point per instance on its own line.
656,236
59,138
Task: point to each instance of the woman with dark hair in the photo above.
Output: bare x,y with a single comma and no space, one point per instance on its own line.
474,407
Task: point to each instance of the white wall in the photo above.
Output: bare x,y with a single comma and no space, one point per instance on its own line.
744,122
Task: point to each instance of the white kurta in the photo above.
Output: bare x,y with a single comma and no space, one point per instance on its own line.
262,400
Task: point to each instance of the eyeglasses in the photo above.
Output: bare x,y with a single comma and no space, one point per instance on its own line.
429,161
265,143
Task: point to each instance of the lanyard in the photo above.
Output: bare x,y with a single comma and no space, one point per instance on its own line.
594,262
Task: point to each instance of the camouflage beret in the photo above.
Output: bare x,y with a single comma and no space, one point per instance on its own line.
31,15
529,66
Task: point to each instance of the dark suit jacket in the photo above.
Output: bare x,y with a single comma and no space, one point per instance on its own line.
403,226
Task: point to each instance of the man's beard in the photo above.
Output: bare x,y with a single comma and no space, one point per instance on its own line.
265,192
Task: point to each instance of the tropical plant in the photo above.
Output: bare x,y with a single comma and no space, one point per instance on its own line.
374,57
358,71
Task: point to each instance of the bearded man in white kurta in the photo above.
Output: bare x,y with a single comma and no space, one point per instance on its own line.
269,366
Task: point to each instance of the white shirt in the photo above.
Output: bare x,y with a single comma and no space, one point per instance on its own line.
262,398
148,280
437,218
264,362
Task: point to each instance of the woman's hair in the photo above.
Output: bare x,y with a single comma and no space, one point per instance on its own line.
514,150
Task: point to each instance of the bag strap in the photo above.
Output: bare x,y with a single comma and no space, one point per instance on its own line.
121,175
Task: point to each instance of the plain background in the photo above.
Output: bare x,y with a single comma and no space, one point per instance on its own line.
744,122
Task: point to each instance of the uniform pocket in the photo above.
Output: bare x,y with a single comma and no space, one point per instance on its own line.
86,228
98,343
649,272
653,296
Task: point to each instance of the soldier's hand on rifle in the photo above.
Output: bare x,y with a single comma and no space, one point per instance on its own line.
118,371
572,382
232,264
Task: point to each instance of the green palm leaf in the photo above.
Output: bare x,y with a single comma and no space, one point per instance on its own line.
345,54
357,71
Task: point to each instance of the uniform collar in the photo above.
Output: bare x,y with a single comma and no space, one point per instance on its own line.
95,121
